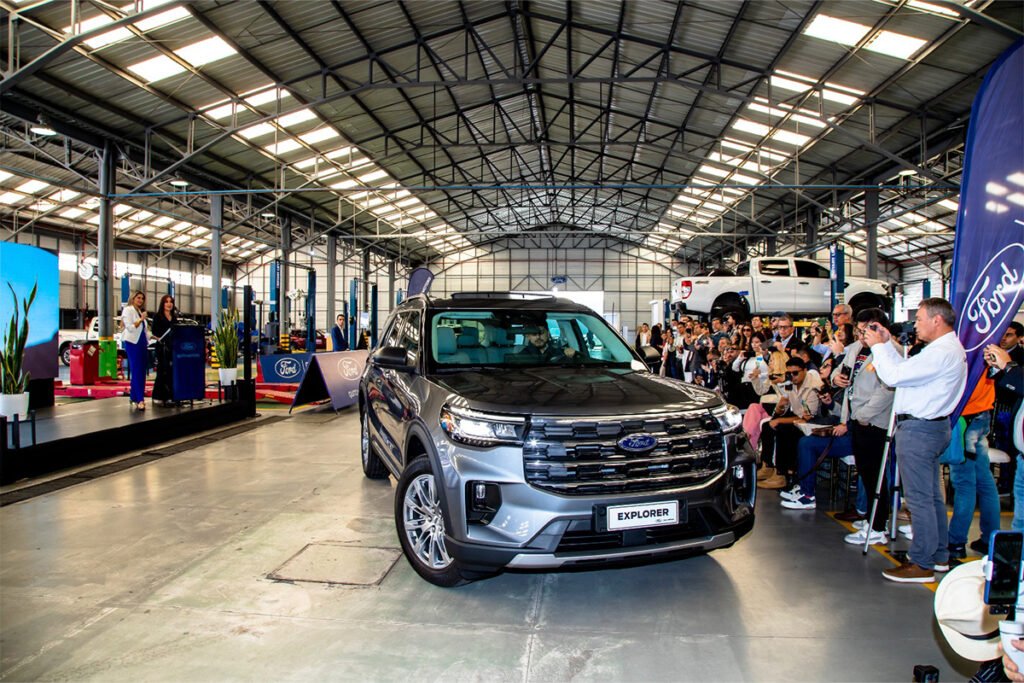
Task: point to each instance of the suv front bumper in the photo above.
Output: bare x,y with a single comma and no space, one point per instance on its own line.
535,528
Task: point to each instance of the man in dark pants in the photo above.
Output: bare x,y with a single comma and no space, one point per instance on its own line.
928,389
867,406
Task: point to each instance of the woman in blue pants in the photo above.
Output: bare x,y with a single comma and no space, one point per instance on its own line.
133,318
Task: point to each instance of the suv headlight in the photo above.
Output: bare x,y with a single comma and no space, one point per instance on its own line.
729,417
481,429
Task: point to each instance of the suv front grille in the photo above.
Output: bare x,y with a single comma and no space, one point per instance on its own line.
582,457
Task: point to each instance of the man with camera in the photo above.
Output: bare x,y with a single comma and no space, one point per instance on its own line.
866,409
928,389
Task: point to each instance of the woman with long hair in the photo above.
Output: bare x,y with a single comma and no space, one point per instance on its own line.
133,338
166,316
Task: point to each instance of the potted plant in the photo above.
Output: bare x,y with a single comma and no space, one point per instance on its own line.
13,378
225,341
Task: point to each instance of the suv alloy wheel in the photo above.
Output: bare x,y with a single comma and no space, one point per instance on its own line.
421,527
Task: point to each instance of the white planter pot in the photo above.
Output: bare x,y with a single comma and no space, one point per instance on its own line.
14,404
228,376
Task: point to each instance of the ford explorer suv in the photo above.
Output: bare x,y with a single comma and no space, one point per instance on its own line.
525,433
763,285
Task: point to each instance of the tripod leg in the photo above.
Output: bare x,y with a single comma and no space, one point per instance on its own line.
868,524
897,492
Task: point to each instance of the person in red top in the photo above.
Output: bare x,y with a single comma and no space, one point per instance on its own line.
972,479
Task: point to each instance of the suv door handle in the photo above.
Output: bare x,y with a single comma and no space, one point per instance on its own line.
766,282
805,283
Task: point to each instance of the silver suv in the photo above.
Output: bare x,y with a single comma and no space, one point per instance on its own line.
524,432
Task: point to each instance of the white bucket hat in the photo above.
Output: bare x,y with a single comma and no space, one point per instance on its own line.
963,616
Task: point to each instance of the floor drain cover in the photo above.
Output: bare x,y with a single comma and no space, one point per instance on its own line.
338,564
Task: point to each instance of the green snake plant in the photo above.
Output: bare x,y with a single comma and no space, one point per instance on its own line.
225,339
13,379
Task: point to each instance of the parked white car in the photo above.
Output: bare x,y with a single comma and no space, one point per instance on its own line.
767,284
66,337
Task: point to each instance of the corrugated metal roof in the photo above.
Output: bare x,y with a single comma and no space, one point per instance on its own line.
492,124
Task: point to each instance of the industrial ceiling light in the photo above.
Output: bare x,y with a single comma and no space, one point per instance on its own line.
42,130
267,214
179,183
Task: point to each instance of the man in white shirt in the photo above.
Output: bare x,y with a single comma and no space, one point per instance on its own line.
928,389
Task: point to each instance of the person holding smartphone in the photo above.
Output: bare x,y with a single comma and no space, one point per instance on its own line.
779,437
928,390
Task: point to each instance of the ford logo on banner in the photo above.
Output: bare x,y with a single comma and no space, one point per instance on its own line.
637,443
188,347
288,368
994,298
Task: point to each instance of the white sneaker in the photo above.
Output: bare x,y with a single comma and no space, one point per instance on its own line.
907,531
860,524
857,538
791,494
801,503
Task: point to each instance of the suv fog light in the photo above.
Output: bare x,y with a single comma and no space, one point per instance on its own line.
737,472
482,501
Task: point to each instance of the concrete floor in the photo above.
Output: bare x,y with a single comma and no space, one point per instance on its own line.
166,572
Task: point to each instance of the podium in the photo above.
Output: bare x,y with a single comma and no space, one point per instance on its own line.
188,362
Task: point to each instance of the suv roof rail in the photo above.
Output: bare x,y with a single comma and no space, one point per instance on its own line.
503,295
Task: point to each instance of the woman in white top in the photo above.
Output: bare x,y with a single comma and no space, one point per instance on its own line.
754,368
133,338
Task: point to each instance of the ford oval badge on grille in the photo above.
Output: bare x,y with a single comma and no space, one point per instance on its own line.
637,443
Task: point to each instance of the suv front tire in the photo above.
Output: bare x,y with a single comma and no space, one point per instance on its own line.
421,526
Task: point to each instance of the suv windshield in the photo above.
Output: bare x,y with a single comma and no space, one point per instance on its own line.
507,338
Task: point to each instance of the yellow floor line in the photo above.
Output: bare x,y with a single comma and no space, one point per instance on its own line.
884,550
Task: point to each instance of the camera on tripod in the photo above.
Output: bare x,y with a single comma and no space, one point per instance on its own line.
904,332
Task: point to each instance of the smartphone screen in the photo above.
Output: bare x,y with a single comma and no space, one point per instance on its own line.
1004,554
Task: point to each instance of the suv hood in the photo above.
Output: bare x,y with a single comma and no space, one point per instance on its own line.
590,392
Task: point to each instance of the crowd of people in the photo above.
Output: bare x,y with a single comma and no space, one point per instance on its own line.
829,389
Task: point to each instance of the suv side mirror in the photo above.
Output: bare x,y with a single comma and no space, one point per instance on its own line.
651,355
393,357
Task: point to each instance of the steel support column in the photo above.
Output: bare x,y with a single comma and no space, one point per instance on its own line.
286,248
770,246
216,225
871,228
105,242
813,218
332,269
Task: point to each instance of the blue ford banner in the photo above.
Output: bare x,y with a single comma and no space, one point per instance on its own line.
334,376
284,368
988,255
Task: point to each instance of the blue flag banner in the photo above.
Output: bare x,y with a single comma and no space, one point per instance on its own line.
988,256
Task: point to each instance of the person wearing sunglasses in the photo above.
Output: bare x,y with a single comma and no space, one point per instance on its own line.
779,437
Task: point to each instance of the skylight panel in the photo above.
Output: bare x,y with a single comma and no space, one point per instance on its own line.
267,95
162,19
355,163
156,69
141,216
319,135
372,176
144,230
407,202
72,212
4,175
31,186
162,221
933,9
200,242
327,173
949,204
121,209
836,30
205,51
259,130
64,196
221,112
163,234
180,239
199,230
345,184
283,147
340,152
752,127
790,138
895,44
296,118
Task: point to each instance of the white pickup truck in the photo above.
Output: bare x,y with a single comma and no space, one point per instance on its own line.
66,337
773,283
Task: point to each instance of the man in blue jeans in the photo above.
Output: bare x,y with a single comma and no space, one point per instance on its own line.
972,479
928,389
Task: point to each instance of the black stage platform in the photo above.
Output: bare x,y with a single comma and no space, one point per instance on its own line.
80,433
